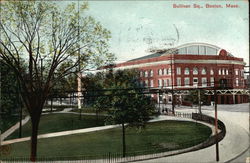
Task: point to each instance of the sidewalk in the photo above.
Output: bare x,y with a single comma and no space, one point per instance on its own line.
80,131
234,143
13,128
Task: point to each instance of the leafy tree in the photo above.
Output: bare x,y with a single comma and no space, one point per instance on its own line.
9,97
44,42
194,98
126,101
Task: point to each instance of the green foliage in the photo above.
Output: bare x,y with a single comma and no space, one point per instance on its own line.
124,99
194,99
9,99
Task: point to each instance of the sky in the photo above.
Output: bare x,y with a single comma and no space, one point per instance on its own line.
138,26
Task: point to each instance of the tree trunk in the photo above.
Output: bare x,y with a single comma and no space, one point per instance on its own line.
123,141
35,124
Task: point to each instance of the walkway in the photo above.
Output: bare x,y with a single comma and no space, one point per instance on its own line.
234,143
13,128
80,131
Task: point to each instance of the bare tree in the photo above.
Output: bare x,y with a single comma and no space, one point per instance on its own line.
44,42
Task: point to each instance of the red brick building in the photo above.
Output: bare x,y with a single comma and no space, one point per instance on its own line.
190,66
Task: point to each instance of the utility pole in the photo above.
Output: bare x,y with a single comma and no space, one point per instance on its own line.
216,123
172,82
79,83
199,100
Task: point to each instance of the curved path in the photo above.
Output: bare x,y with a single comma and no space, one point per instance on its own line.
234,143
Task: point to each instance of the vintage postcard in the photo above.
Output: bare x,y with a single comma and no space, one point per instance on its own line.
124,81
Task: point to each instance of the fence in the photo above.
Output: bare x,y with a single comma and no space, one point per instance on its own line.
135,156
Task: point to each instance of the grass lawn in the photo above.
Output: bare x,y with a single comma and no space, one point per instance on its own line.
8,121
156,137
60,122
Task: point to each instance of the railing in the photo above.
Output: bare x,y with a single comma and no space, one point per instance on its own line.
138,155
211,120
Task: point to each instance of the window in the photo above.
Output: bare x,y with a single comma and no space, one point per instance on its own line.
226,71
146,74
242,72
178,70
219,71
212,81
159,82
223,71
186,71
169,71
211,51
193,50
165,71
159,72
211,72
141,73
202,50
151,73
164,82
195,81
236,72
182,51
178,81
169,82
186,81
146,83
151,83
203,71
195,71
237,82
204,82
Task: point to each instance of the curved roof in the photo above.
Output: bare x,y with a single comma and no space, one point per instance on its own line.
197,49
186,49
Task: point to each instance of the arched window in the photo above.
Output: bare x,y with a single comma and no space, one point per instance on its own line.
195,70
186,71
160,72
141,73
211,71
169,71
146,74
203,71
165,71
219,71
151,73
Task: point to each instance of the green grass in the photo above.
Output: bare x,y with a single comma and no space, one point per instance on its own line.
8,121
156,137
60,122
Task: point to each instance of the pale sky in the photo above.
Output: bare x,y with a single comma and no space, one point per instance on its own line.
137,26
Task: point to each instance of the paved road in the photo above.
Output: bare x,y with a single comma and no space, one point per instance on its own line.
235,142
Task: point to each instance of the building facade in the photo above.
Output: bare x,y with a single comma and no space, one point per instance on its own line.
192,66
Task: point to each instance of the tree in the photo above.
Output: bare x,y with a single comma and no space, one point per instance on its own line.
126,101
43,42
9,96
193,97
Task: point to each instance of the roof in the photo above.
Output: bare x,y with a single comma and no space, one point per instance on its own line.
190,49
